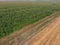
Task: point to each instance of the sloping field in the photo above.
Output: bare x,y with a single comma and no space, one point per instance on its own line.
50,35
25,35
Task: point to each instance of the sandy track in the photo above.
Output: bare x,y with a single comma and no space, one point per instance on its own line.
48,36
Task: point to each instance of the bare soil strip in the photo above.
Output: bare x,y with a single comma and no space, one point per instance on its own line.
48,36
23,35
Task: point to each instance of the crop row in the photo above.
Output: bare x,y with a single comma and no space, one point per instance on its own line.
14,18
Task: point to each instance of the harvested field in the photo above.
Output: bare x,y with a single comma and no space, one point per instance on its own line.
32,34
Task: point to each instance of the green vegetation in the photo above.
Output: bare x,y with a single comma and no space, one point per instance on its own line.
16,15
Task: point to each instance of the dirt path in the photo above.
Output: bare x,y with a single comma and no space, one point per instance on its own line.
48,36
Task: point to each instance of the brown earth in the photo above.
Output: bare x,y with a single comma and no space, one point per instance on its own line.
48,36
34,34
